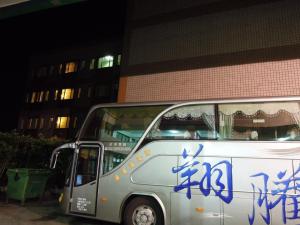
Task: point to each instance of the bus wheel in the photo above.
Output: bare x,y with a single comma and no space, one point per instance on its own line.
143,211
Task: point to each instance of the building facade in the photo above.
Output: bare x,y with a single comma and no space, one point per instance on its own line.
210,49
172,50
64,84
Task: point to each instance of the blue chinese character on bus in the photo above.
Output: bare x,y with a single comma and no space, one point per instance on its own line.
216,178
187,171
280,197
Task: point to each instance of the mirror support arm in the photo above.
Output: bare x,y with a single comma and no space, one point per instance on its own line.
57,151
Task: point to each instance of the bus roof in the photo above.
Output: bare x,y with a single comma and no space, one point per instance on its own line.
208,101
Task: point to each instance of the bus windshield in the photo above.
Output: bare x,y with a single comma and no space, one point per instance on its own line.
119,129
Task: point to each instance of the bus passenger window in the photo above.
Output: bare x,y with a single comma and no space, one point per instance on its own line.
196,122
265,121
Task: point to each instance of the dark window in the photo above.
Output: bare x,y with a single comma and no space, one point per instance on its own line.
29,123
27,98
89,93
35,123
82,65
92,64
102,91
60,68
51,70
51,122
75,121
22,124
78,92
42,72
47,95
42,121
119,60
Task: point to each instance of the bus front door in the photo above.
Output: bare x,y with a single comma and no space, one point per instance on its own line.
85,180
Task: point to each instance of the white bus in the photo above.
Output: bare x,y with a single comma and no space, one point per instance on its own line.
226,162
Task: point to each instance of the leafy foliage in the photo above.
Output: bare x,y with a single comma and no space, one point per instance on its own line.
18,150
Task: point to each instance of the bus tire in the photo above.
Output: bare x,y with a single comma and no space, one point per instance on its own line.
143,210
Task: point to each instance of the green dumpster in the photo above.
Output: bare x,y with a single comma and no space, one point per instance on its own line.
26,183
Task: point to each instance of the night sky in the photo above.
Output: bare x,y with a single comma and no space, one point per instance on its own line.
26,35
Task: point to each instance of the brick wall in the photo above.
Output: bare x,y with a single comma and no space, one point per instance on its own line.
212,51
243,29
277,78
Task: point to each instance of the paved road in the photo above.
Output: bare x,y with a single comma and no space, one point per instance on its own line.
34,213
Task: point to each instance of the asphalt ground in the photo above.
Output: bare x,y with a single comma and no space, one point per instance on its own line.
39,213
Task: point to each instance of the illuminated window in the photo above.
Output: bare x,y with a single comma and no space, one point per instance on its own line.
92,64
41,95
71,67
56,94
119,60
62,122
79,93
42,120
46,95
106,61
33,96
67,94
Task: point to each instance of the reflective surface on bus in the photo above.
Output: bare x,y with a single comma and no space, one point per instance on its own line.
278,121
86,170
209,159
119,129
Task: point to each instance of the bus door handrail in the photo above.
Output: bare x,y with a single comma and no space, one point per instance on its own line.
57,151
